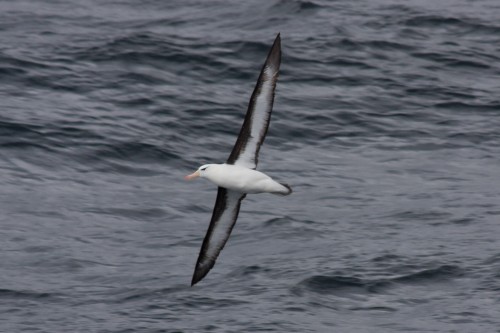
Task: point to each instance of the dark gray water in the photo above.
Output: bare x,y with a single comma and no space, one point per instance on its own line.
386,123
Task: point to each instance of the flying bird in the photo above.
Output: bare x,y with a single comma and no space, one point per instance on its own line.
238,176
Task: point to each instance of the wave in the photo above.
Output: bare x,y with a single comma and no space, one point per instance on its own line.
340,284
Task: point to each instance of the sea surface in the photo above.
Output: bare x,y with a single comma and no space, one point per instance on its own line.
386,123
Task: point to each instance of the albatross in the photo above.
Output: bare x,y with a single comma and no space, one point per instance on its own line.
238,176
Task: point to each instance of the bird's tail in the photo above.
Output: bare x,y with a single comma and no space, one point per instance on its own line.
287,190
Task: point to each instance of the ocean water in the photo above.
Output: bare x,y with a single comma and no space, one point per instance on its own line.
386,124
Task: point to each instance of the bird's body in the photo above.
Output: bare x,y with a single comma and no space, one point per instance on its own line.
242,180
237,177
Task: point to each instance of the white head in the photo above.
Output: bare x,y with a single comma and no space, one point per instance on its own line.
201,172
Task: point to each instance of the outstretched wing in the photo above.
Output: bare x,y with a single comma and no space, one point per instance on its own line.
226,209
256,123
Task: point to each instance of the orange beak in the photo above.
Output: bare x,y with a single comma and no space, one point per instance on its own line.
192,176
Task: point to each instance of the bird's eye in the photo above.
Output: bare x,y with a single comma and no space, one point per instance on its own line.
204,169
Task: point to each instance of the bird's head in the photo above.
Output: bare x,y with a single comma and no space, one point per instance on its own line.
201,172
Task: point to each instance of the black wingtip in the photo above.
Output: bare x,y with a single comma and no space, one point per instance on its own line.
274,56
199,273
277,42
195,279
201,270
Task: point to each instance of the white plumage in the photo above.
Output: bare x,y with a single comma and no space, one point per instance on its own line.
241,179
